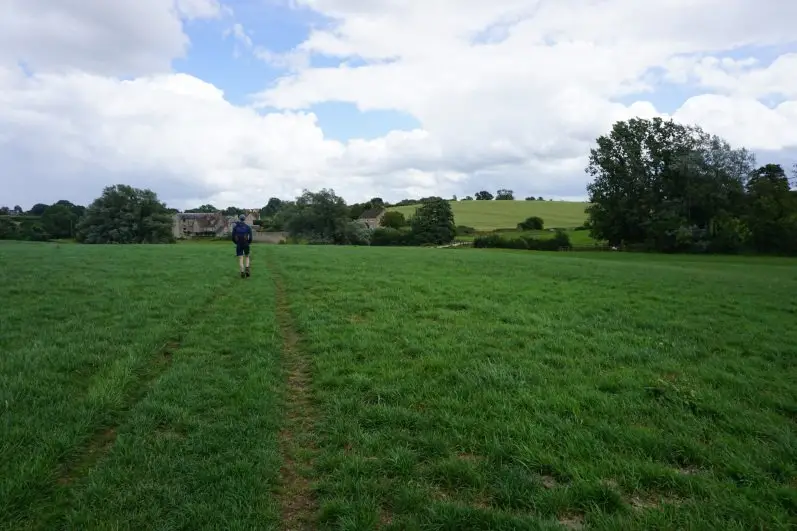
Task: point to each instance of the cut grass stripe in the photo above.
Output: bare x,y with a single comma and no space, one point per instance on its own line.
200,450
98,327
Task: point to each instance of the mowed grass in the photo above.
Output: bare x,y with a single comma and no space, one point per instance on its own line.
470,389
491,215
451,389
140,387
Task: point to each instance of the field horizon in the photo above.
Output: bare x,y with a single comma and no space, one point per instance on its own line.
493,215
395,388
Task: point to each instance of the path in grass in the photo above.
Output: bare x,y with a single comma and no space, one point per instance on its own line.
364,388
467,389
150,391
296,438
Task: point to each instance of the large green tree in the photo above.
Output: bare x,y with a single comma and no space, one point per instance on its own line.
272,207
319,216
37,209
772,210
233,211
484,195
393,219
433,222
60,221
357,209
204,209
123,214
654,181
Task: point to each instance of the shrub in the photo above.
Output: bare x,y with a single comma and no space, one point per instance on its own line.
356,233
8,229
384,236
560,240
532,223
393,220
499,242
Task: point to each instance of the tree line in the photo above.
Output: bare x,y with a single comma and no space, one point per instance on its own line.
663,186
42,222
324,218
124,214
502,194
655,185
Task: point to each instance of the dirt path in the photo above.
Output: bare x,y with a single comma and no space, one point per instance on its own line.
296,497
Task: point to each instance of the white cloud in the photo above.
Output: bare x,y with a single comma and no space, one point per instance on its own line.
125,38
766,129
509,93
744,78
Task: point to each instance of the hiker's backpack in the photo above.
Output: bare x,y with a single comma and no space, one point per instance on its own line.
240,234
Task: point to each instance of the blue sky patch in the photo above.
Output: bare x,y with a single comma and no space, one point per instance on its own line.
342,121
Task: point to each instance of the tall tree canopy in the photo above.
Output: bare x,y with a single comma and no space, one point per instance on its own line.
320,216
393,220
674,187
433,222
272,207
37,209
204,209
60,220
123,214
772,210
484,195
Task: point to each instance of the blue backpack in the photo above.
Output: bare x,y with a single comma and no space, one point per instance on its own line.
241,232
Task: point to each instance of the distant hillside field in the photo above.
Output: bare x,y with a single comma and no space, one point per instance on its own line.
491,215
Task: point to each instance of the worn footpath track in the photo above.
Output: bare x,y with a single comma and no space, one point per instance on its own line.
296,497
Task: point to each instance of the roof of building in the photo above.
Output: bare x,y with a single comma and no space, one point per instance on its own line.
372,213
199,214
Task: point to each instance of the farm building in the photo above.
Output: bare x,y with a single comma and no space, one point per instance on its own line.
190,225
372,217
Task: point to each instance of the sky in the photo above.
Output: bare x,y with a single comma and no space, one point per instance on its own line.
231,102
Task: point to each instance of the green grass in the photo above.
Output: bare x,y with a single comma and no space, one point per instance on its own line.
491,215
473,389
139,385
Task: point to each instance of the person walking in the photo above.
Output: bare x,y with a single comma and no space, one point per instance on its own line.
242,236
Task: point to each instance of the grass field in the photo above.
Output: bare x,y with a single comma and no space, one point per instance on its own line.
388,388
491,215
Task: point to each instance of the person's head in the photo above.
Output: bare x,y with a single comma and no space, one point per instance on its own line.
241,217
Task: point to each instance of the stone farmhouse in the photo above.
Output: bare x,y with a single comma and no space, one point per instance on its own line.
372,217
208,224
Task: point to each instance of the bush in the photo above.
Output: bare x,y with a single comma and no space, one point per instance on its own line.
385,236
464,230
8,229
499,242
356,233
532,223
559,241
393,220
33,231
